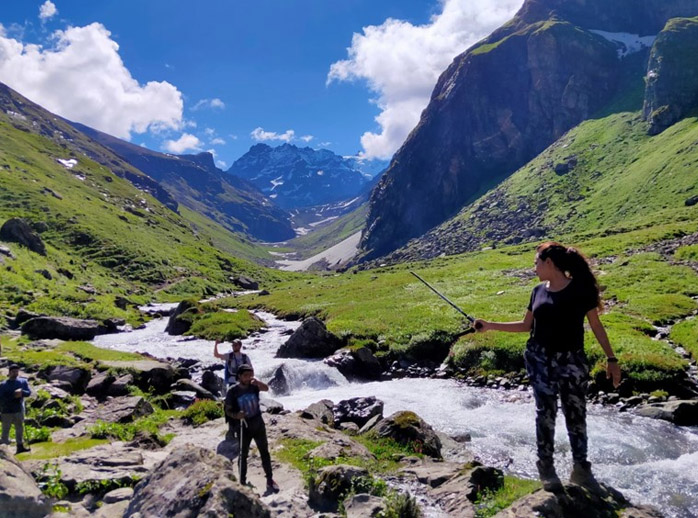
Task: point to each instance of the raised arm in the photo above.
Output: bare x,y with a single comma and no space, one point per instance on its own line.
522,326
263,387
612,367
216,353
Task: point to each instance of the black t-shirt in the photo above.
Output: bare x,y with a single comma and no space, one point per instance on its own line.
243,398
558,316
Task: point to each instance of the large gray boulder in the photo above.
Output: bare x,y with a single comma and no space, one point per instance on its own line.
63,328
358,410
17,230
681,412
147,374
310,340
409,429
194,482
331,484
356,364
320,410
76,378
20,497
179,324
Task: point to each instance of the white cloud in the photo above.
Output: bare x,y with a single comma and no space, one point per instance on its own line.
187,142
307,138
83,78
209,132
218,142
260,135
401,63
222,164
209,103
47,10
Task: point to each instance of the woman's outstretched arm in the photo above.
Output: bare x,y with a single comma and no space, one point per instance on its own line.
522,326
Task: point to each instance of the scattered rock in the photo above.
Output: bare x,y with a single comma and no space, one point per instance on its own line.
63,328
148,374
22,316
124,409
118,495
20,497
76,377
357,410
363,506
356,364
178,324
189,385
278,382
213,383
17,230
245,282
310,340
6,252
45,274
408,428
321,410
680,412
331,483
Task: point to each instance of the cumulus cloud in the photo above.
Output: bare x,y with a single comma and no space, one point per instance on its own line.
47,10
213,104
307,138
401,62
218,142
260,135
82,77
187,142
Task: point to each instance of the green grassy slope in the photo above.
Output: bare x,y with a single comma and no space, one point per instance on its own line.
104,232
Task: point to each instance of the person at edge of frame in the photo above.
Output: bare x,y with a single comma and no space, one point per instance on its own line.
555,359
243,409
232,360
12,393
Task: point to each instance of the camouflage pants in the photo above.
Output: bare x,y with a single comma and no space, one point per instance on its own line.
565,374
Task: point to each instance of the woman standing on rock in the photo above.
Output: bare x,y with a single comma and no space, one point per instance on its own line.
555,358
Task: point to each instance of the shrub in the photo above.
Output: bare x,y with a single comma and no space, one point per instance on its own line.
202,411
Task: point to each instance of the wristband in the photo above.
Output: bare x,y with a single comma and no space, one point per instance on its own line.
611,359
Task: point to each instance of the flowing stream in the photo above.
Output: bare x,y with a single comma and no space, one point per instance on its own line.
649,461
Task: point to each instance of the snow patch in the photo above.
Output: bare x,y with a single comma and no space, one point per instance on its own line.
272,196
16,115
301,231
320,173
68,163
316,223
276,182
627,43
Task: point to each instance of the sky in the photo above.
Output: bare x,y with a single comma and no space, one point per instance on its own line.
179,77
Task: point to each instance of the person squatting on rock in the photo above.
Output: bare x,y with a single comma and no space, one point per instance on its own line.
12,393
243,409
232,360
555,359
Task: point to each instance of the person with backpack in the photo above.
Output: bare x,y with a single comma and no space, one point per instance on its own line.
243,409
555,359
12,393
232,360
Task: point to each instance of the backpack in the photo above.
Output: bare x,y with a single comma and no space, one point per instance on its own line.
231,368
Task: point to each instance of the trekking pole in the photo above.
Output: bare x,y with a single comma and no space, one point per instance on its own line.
242,421
468,317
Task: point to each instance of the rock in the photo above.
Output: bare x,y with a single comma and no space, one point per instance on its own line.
178,324
124,410
6,252
245,283
409,429
271,406
193,482
98,385
357,410
213,383
76,377
16,230
189,385
356,364
148,373
349,428
120,386
321,410
363,506
111,325
310,340
278,382
578,502
433,474
20,497
118,495
181,399
45,274
681,412
370,424
65,273
122,302
63,328
690,202
22,316
458,493
340,447
331,483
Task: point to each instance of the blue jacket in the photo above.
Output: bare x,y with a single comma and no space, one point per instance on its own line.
9,404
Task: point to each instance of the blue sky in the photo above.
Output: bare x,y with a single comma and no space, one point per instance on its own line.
222,75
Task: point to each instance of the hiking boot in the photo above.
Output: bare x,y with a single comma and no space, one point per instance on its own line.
21,448
548,476
272,486
582,476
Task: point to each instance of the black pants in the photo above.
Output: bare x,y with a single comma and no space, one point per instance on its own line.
255,430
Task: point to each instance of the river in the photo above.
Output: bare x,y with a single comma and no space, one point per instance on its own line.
649,461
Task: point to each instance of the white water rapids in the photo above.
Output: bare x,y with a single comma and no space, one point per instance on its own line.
649,461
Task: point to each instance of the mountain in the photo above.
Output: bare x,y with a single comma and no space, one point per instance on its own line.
300,177
197,183
106,244
507,98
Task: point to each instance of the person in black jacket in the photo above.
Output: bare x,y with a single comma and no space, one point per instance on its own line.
12,393
242,407
555,359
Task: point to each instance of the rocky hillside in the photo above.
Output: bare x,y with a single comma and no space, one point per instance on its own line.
300,177
197,183
506,99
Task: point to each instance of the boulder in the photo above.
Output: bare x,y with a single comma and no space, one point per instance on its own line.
189,385
63,328
213,383
364,506
245,283
120,386
194,482
6,252
17,230
271,406
408,428
310,340
22,316
147,374
331,483
278,382
118,495
357,410
124,410
321,410
20,497
77,378
356,364
178,324
458,494
99,384
680,412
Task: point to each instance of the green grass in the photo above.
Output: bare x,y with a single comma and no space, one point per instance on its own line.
514,488
224,325
51,450
202,412
686,334
150,424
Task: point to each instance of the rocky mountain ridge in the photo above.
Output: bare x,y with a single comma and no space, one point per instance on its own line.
502,102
